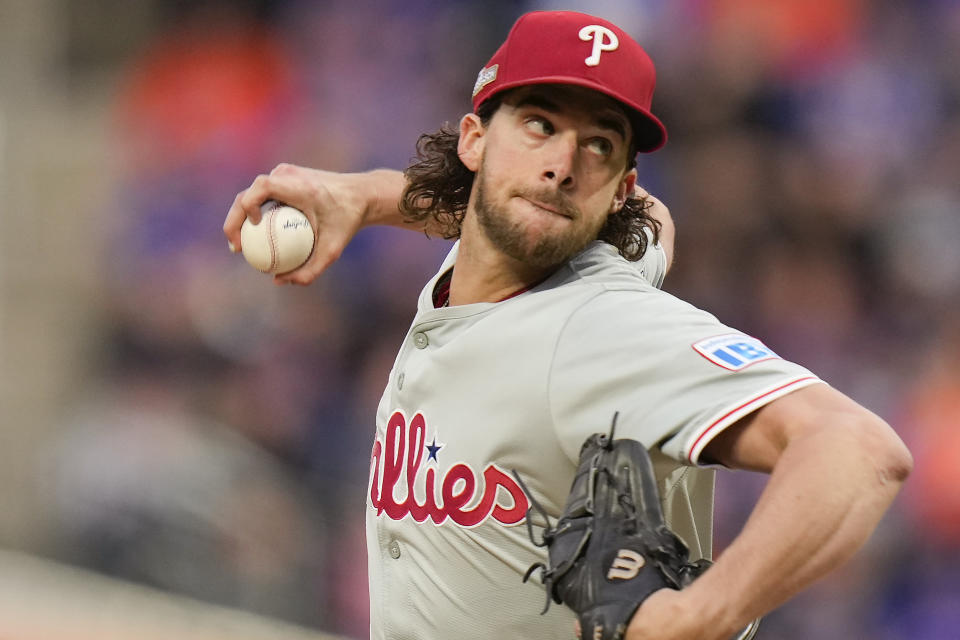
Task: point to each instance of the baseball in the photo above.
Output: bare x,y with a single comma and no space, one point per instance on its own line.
281,242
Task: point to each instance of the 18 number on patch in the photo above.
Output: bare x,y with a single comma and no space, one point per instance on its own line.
733,351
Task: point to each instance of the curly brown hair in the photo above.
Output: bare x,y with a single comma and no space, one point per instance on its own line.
439,184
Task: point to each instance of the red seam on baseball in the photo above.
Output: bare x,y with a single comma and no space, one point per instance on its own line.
271,238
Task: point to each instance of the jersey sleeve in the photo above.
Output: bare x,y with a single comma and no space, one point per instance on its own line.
675,374
652,265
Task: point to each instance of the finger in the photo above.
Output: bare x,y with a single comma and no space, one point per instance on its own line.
310,270
301,276
285,168
280,185
234,221
284,184
250,199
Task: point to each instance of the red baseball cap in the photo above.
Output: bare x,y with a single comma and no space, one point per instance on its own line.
565,47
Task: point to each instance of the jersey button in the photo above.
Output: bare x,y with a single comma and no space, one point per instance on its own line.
400,380
394,549
420,340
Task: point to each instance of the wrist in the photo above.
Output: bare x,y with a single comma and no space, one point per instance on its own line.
713,606
672,614
679,615
360,197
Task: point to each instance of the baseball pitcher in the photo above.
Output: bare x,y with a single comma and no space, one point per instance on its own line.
496,482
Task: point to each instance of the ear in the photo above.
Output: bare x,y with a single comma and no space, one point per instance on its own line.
470,146
624,190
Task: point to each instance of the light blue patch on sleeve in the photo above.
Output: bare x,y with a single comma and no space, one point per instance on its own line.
733,351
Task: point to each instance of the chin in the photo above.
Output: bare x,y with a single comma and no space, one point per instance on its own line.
544,251
530,234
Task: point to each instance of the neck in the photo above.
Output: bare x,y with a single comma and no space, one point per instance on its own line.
483,273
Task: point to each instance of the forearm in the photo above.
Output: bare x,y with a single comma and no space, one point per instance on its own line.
383,189
824,498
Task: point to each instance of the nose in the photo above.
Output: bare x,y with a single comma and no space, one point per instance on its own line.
561,159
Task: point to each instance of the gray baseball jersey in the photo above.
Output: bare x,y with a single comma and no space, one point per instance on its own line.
480,390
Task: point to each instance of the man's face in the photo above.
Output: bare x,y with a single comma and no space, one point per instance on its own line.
553,167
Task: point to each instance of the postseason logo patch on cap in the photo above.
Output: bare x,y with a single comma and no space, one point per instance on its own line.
733,351
485,77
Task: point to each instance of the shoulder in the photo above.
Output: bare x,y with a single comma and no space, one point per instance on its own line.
602,260
600,264
621,293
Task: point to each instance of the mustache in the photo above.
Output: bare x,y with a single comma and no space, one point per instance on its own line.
553,199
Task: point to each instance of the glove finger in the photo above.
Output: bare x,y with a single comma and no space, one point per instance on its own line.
603,622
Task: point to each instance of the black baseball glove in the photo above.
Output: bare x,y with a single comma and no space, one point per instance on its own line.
611,549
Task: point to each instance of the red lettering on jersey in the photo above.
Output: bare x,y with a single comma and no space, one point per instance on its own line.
497,478
458,488
375,456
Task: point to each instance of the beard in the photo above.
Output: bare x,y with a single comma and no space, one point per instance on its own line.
514,238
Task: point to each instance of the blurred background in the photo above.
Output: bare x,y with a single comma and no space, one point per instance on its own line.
173,421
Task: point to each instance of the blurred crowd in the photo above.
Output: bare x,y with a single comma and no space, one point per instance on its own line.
221,448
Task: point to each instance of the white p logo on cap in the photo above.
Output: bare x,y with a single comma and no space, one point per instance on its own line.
603,40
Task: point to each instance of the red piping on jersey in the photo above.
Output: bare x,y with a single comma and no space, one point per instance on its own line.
720,420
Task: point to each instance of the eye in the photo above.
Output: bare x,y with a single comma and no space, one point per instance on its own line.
539,125
600,146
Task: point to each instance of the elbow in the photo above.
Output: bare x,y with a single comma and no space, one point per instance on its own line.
871,446
900,463
892,459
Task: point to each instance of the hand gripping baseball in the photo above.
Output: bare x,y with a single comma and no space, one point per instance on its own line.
335,204
611,548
